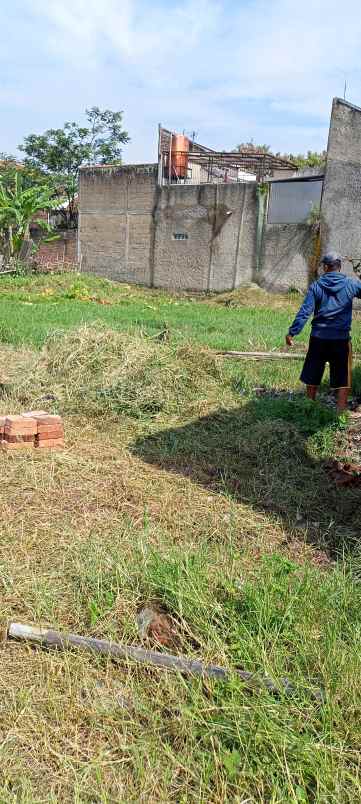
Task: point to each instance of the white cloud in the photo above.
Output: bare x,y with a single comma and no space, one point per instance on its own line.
141,34
231,69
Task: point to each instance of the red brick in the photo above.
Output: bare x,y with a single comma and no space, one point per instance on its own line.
18,425
33,414
51,436
50,428
48,418
19,439
58,252
48,443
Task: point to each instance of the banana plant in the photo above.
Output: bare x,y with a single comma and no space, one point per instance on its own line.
18,209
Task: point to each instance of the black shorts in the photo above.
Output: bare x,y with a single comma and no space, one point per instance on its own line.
337,353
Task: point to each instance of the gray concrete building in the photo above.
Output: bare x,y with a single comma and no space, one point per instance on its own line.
192,237
219,236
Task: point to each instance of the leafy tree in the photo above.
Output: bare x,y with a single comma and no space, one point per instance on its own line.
60,152
30,176
18,208
8,168
250,147
311,159
6,160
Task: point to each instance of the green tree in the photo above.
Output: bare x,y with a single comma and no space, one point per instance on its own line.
311,159
30,176
250,147
19,206
6,160
8,168
60,152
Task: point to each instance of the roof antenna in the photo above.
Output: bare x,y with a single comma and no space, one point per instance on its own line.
344,90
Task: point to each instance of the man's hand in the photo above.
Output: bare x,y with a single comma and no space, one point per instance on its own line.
289,340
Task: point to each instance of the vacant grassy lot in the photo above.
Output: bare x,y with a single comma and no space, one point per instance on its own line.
191,484
31,308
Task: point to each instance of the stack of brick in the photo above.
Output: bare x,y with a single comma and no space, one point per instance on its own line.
36,428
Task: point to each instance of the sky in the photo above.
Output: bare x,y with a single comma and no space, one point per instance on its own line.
230,70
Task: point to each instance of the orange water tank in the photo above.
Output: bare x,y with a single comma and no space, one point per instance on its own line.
179,156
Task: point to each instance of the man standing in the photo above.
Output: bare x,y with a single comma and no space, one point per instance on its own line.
330,300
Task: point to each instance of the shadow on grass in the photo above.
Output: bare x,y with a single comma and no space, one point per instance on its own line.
269,454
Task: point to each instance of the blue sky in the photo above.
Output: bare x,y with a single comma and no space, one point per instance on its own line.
231,70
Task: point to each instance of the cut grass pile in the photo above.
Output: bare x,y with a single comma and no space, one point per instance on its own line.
181,487
98,371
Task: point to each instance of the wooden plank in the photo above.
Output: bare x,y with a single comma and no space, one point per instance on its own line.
263,355
181,664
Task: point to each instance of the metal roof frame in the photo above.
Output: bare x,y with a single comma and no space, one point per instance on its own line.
260,163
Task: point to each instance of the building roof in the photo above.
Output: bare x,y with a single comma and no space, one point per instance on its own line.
258,162
317,177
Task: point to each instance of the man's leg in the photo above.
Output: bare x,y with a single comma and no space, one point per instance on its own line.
342,399
311,391
313,367
341,371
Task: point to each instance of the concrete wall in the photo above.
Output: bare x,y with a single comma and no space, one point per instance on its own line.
341,200
286,251
127,228
219,221
116,224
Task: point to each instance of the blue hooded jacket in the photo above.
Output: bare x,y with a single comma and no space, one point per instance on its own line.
330,299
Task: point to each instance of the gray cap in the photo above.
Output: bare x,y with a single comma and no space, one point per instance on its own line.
331,258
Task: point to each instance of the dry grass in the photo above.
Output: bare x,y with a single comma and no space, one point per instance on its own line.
98,371
142,504
65,515
257,297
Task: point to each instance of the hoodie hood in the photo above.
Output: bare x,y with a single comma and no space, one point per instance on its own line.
333,282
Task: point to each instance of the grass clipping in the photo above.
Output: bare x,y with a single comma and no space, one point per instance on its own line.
94,370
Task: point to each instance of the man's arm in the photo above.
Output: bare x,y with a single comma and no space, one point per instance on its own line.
357,288
302,316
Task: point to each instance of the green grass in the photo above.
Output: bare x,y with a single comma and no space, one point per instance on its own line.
290,622
24,322
31,309
185,486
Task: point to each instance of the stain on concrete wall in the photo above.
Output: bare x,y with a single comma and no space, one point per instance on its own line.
285,257
183,263
233,256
